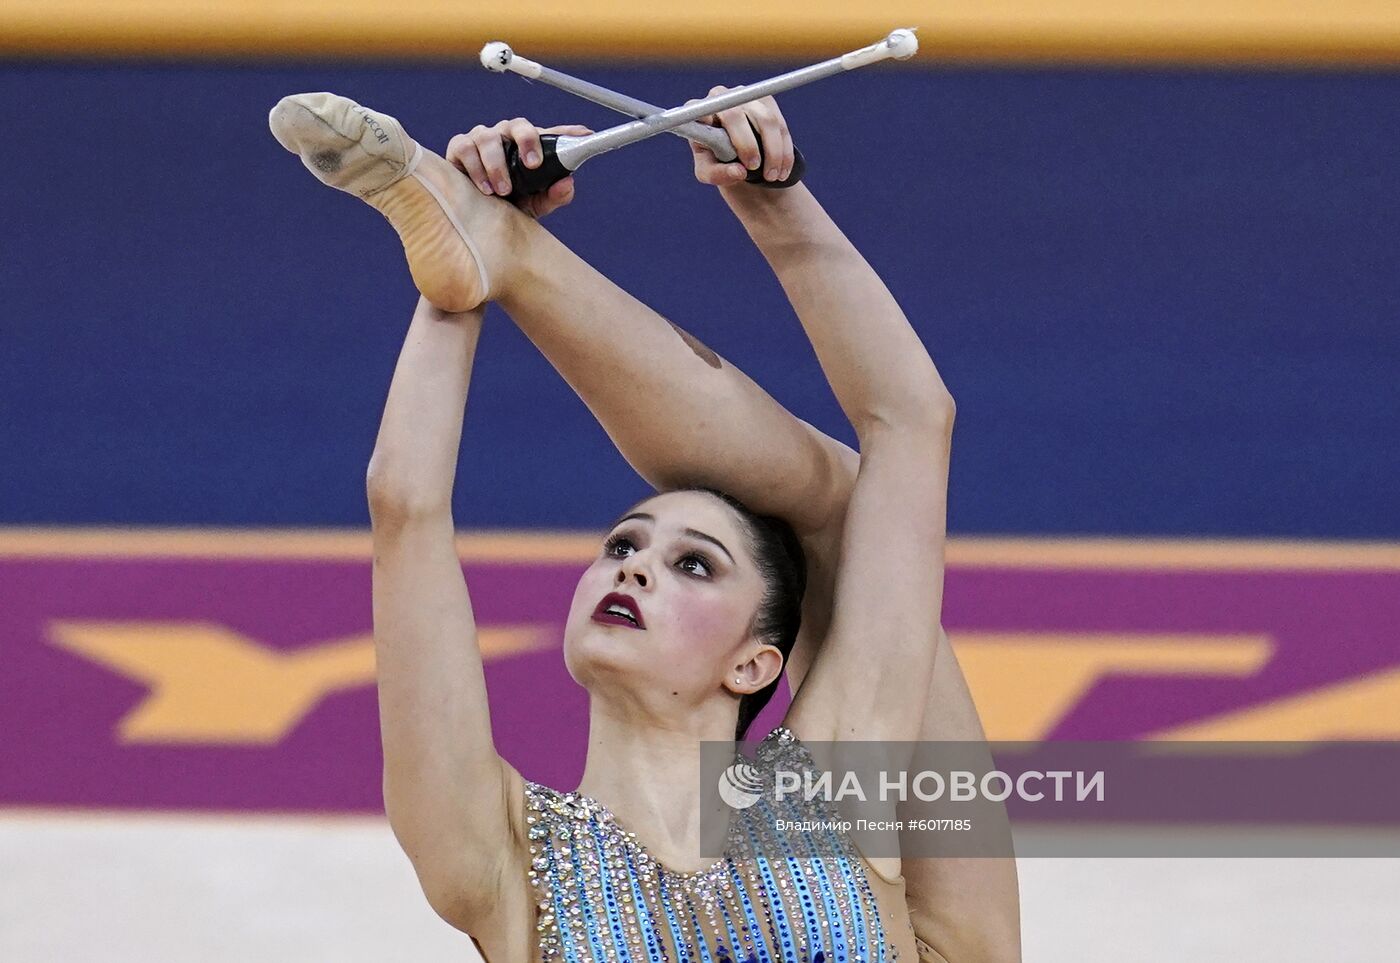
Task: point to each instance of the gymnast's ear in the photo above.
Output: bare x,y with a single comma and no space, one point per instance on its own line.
764,666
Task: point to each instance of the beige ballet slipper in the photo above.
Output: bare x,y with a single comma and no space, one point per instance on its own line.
440,218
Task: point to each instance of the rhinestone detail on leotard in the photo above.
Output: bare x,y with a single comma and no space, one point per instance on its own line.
600,897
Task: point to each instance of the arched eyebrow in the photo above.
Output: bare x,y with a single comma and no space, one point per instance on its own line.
693,533
713,541
627,518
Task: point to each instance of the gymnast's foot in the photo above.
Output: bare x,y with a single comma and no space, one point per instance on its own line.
445,224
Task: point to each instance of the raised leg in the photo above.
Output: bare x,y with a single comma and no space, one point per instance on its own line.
444,225
648,382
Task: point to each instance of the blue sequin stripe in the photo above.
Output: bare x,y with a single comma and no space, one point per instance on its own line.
614,911
864,883
724,911
804,895
824,883
682,952
862,934
656,947
561,918
595,941
774,894
762,863
861,893
852,890
837,843
699,930
754,927
811,923
826,887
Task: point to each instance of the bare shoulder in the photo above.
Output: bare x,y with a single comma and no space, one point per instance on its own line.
491,900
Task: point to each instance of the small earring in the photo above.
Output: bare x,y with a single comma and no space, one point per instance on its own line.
738,681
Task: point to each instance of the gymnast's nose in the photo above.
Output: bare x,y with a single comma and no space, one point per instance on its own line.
636,567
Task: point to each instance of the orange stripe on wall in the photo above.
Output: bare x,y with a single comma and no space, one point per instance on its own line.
543,546
1301,31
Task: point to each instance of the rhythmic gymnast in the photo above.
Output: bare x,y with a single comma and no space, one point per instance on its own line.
768,548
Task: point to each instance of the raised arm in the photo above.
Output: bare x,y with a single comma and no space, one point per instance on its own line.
445,788
873,672
963,908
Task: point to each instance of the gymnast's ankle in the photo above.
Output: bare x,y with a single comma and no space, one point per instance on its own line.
458,243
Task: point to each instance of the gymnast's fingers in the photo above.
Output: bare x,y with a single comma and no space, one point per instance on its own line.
538,205
527,139
456,146
764,115
708,168
462,151
559,194
735,122
783,155
493,156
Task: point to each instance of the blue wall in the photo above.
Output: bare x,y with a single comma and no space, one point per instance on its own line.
1167,302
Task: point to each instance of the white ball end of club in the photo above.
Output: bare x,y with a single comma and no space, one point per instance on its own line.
903,44
497,56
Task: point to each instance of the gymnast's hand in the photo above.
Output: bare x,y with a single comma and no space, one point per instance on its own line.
740,123
480,154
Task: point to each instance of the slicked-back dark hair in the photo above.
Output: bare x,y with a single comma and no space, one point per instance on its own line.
783,565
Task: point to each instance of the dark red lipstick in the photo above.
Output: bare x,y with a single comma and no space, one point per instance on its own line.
616,601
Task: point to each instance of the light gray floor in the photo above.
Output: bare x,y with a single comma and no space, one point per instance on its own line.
147,889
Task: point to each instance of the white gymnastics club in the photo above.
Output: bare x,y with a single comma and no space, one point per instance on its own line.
573,151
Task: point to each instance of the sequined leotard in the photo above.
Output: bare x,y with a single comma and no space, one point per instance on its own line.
600,896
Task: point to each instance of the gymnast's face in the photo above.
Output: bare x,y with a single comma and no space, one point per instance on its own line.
668,605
